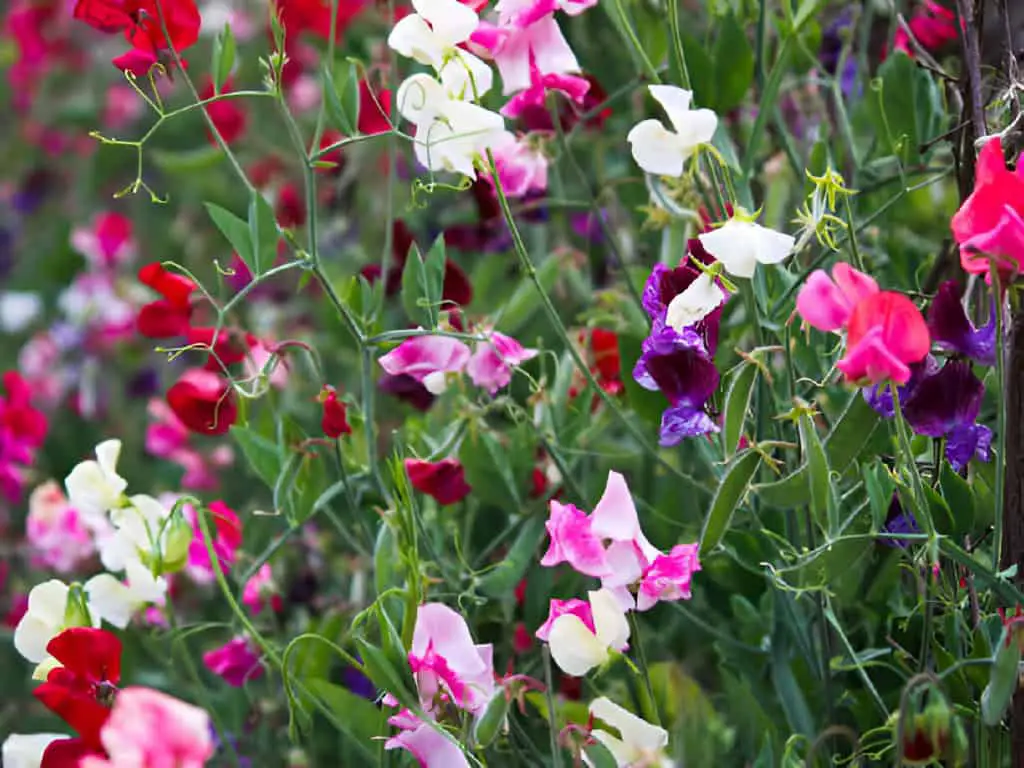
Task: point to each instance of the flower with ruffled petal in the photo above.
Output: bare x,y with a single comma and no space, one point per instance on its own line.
573,541
741,244
517,50
702,297
427,359
57,536
638,743
426,743
827,303
668,576
885,334
576,648
52,608
556,608
664,152
951,329
236,662
204,401
492,362
446,662
444,480
94,487
431,34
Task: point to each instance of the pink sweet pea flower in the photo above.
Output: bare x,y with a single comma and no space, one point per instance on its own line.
885,331
227,539
578,608
57,536
827,303
427,359
574,88
523,13
149,729
491,365
259,588
574,542
107,243
615,518
668,577
990,223
237,662
430,747
447,663
540,44
522,167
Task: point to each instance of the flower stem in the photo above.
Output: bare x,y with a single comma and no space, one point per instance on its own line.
648,702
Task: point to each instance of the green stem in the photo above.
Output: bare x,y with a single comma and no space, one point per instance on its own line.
919,500
625,28
648,703
1000,304
549,696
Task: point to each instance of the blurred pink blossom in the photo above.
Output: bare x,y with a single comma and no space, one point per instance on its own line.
56,534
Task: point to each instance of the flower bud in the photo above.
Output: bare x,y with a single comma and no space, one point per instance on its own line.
492,720
178,539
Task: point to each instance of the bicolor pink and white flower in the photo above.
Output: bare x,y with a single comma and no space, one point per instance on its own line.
428,359
521,165
578,646
446,663
492,362
108,242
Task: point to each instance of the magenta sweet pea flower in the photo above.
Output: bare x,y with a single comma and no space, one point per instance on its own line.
430,747
574,542
427,359
236,662
447,663
668,577
491,365
572,87
826,303
540,43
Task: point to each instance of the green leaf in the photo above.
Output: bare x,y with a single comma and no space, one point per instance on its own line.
818,479
500,581
342,97
524,302
261,453
383,674
737,404
359,715
599,756
730,491
1003,679
223,57
958,495
188,161
235,231
387,561
880,487
702,70
497,470
423,284
263,233
942,517
734,64
905,107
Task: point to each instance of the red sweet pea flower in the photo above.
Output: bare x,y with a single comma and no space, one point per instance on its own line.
314,16
290,209
444,480
227,115
374,109
169,316
226,350
886,333
140,20
204,402
17,416
334,422
81,691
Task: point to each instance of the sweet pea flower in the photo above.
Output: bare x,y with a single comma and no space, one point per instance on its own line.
204,401
427,359
663,152
577,648
702,297
51,609
517,49
615,519
522,13
990,224
236,662
18,310
108,242
150,728
227,540
446,662
444,480
885,332
741,244
492,362
430,747
535,97
952,330
140,531
638,743
117,601
94,487
56,534
431,34
556,608
667,578
259,588
522,167
573,541
25,750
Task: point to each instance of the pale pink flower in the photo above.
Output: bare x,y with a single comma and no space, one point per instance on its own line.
579,608
122,107
237,661
425,742
259,589
149,729
615,518
522,168
427,359
56,534
304,94
668,577
447,663
523,13
39,364
573,541
259,354
92,302
168,438
492,362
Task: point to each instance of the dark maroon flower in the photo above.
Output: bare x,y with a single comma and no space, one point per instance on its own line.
408,389
952,331
663,285
444,480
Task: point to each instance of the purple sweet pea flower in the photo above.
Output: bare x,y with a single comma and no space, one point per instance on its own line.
663,285
952,331
683,421
358,683
407,389
897,522
879,396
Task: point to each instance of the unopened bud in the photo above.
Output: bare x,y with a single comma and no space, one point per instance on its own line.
178,539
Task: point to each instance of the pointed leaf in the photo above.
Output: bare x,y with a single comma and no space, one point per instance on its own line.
730,492
958,495
235,231
737,403
423,283
223,57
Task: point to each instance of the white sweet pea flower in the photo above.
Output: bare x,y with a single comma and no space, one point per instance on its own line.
741,244
49,613
575,648
18,310
140,532
419,98
697,301
94,487
466,77
663,152
459,134
25,750
118,601
430,35
639,742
